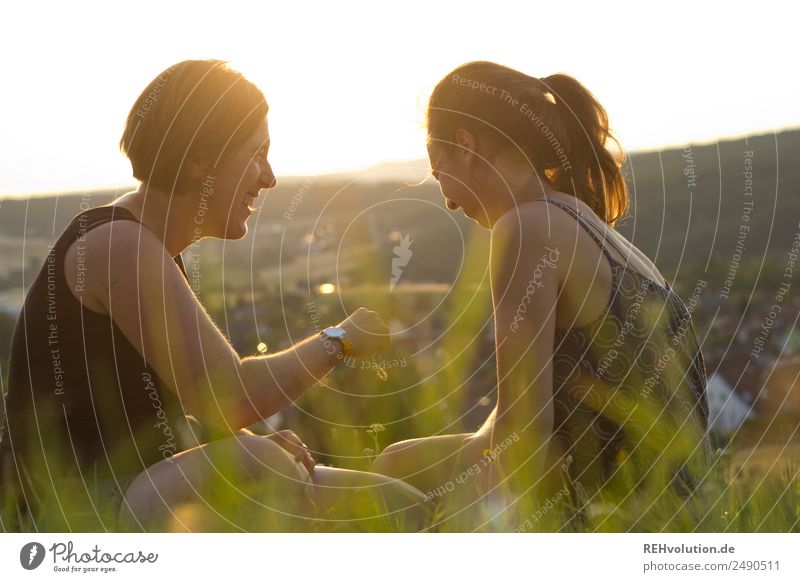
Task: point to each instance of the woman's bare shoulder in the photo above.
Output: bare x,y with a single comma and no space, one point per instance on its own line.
620,247
87,260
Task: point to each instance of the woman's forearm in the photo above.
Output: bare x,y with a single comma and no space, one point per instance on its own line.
515,455
273,382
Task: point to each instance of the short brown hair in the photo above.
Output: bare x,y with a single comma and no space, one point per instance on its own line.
192,109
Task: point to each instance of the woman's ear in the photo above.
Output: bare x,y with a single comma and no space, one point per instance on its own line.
197,169
466,144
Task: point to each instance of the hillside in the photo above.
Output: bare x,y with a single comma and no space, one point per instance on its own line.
687,207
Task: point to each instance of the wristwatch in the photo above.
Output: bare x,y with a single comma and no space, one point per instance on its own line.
340,335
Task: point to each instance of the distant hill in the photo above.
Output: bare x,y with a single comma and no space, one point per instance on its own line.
688,208
407,171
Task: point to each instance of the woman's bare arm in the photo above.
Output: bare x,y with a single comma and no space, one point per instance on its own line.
525,284
152,304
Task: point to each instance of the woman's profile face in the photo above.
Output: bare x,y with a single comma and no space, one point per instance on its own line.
230,195
455,180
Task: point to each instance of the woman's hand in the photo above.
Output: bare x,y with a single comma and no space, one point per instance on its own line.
367,331
292,443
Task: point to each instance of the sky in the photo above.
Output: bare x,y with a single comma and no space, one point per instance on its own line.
347,82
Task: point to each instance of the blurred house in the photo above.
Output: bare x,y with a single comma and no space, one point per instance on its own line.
745,375
765,392
735,390
727,410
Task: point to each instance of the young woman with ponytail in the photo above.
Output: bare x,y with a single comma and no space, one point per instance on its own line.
601,383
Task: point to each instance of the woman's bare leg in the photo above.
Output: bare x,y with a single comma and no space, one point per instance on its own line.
396,500
426,463
235,463
153,499
445,468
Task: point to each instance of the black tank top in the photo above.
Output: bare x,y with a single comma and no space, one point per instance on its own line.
81,399
630,389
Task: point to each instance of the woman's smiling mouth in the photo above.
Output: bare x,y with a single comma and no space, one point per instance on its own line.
248,202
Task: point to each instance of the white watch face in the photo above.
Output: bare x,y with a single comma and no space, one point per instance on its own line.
334,332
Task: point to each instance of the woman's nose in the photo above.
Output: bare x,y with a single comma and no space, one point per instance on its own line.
267,178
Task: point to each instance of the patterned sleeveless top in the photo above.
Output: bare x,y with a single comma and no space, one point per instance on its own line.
631,410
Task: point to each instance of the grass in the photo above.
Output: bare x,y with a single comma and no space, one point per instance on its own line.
728,500
745,490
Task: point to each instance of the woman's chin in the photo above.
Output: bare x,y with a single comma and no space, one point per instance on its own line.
483,223
235,231
479,218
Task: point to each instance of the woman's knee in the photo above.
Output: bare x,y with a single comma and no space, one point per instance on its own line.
424,463
391,461
275,476
241,461
398,460
263,458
